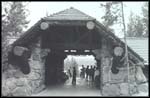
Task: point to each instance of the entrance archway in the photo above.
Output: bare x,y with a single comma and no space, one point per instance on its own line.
53,79
54,64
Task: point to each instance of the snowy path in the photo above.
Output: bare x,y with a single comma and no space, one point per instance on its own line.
81,89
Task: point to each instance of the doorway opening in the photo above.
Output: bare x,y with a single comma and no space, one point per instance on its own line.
58,63
78,61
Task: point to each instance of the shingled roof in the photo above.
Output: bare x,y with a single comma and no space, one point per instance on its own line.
73,15
140,46
69,14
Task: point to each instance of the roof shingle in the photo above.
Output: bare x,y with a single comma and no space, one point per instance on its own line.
69,14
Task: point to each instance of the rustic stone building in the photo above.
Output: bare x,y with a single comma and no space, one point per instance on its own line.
36,58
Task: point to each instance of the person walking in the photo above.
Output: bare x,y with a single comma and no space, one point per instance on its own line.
74,77
69,73
83,72
92,74
97,78
87,73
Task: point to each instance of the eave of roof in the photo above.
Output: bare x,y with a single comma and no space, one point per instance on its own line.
27,33
112,34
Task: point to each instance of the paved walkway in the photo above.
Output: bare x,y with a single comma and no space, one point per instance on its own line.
83,88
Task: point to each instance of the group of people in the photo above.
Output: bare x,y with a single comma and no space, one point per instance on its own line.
88,72
91,74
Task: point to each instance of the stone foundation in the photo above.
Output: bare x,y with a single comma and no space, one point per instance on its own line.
119,89
114,84
15,83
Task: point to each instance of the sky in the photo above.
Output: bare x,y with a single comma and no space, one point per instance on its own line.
83,59
38,10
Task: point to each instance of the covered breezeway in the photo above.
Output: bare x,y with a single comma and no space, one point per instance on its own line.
52,38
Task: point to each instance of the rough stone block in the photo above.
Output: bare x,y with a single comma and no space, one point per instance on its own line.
39,89
5,91
10,83
34,76
36,57
111,90
143,87
10,73
37,50
21,82
132,78
124,89
18,74
133,88
21,91
4,75
106,74
119,77
34,84
36,65
140,77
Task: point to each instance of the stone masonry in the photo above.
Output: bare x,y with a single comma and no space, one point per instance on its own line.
15,83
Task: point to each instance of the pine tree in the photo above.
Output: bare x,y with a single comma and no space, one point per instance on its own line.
17,18
145,18
13,19
13,23
112,14
139,27
135,26
5,22
130,26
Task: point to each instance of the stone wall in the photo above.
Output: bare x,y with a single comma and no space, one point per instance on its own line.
119,82
15,83
37,75
114,84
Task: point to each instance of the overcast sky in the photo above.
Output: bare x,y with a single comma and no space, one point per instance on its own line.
39,10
